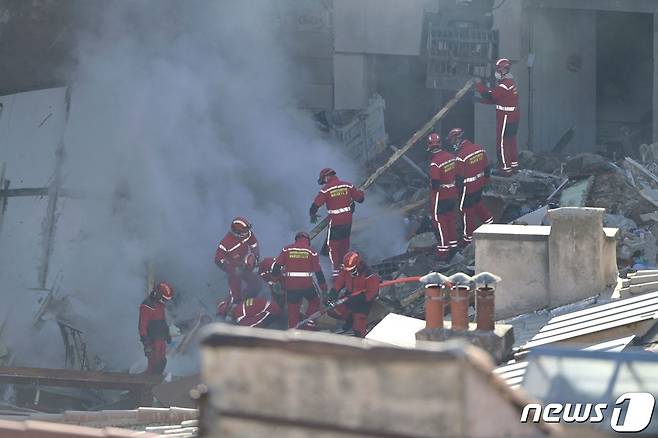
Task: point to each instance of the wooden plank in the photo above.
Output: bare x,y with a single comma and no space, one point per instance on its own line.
77,379
427,127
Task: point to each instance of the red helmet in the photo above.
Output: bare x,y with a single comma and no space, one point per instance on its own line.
240,227
302,235
433,141
164,291
265,266
250,262
503,66
352,262
325,174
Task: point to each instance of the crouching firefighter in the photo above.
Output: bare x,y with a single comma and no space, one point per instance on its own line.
231,253
362,286
153,328
297,264
252,312
339,197
443,197
265,268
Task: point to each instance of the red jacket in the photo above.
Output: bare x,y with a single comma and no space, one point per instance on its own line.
442,175
265,268
152,322
504,95
366,281
253,312
472,168
299,262
232,250
339,197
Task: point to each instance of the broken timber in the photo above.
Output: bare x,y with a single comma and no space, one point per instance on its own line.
138,384
403,150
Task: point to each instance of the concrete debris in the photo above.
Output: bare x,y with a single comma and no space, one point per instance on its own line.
575,195
586,164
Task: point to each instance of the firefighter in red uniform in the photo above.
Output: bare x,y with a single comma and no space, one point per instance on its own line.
443,196
252,312
273,281
505,97
297,263
472,175
339,196
153,328
231,253
362,284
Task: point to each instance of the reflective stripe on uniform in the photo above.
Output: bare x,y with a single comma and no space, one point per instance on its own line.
340,186
298,274
502,143
474,178
340,210
447,186
505,108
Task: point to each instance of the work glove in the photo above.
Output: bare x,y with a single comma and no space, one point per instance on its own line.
314,218
353,206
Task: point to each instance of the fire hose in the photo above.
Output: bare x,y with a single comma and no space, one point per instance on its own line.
346,298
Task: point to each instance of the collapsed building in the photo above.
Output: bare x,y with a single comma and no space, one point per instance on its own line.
560,308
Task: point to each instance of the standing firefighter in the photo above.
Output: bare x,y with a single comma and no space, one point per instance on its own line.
362,285
232,251
505,97
472,174
443,196
297,264
153,328
339,196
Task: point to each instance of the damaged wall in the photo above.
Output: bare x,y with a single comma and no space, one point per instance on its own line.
173,131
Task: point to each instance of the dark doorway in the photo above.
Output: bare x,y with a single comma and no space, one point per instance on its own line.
624,81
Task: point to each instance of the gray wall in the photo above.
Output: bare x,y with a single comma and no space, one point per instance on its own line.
563,97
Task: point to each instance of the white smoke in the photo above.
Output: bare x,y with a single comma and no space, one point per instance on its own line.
182,117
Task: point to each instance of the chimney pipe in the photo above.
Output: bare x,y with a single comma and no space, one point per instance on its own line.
434,304
484,308
459,297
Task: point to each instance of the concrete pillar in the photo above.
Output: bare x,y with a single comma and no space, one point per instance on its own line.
575,254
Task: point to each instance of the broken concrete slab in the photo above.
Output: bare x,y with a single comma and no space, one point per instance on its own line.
397,330
576,194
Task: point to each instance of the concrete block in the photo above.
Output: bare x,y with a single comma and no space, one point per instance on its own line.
498,343
576,260
504,250
397,330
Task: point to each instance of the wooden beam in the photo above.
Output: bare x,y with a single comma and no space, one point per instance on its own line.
77,379
427,127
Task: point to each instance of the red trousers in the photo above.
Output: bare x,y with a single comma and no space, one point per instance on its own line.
157,358
243,281
295,298
444,220
473,213
357,320
338,241
507,125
